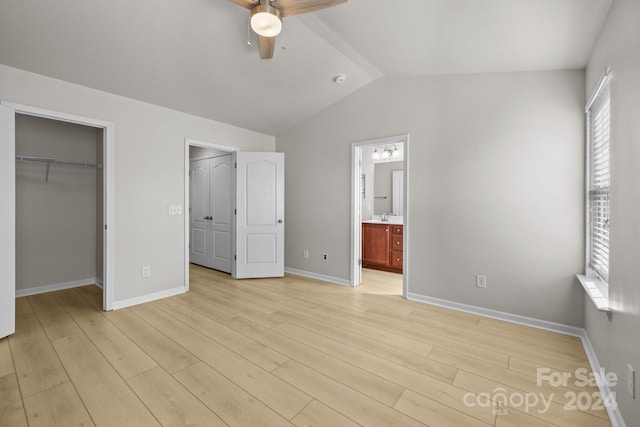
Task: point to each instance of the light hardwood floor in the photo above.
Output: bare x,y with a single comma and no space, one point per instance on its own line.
289,351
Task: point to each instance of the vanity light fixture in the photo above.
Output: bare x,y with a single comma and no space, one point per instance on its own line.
387,152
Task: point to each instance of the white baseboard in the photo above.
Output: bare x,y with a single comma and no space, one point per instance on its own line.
54,287
500,315
148,298
99,283
614,412
330,279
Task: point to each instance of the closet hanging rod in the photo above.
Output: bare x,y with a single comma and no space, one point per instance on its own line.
51,161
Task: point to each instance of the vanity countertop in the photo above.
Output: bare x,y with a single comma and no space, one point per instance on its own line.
393,220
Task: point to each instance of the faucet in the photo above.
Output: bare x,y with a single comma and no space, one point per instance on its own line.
385,217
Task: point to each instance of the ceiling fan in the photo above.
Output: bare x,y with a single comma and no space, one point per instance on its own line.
266,17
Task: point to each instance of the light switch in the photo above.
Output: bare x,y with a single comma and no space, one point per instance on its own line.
175,209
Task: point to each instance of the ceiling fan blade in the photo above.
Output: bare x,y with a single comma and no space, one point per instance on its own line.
297,7
249,4
267,46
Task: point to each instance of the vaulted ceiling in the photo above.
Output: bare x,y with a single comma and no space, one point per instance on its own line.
193,56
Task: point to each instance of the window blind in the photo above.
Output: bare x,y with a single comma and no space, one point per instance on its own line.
598,133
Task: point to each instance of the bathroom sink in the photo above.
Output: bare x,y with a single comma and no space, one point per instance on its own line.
395,220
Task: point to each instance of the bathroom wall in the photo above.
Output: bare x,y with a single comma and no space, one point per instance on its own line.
368,170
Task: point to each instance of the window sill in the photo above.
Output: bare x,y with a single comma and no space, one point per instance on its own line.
597,291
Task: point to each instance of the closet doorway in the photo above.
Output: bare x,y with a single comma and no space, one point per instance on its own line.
202,190
59,217
257,219
38,179
210,208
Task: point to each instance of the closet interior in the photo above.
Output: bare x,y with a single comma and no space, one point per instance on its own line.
59,205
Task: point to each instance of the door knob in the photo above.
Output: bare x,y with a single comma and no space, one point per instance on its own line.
280,221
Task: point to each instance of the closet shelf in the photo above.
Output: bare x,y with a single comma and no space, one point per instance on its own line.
50,161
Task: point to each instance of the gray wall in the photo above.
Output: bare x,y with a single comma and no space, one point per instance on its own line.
149,168
384,186
495,186
55,220
616,342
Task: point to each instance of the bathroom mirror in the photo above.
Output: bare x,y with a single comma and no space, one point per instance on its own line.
385,191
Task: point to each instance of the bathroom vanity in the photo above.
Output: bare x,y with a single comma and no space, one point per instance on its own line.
382,245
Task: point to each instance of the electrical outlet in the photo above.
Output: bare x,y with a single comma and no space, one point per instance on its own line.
146,271
325,257
481,281
631,381
305,254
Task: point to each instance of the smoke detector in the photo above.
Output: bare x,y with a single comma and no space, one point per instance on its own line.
339,79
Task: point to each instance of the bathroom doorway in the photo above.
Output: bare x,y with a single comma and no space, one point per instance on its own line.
379,228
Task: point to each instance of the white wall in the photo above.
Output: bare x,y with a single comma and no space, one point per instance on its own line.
496,186
55,219
616,341
149,171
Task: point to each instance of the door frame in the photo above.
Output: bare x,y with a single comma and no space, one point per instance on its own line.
108,170
188,142
356,207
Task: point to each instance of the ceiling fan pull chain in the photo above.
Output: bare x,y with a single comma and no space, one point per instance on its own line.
249,31
283,47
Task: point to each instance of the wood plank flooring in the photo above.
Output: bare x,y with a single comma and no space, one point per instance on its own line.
283,352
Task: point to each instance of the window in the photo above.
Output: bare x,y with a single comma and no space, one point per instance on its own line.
598,182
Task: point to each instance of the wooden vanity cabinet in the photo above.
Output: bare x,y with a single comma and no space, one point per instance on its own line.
397,245
382,246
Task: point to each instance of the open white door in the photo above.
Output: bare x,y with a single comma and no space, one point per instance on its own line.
7,222
221,211
259,219
199,244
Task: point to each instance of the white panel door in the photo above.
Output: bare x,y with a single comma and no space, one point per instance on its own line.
259,200
221,211
7,222
200,239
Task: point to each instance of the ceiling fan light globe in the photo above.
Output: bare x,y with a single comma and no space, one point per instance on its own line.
265,20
